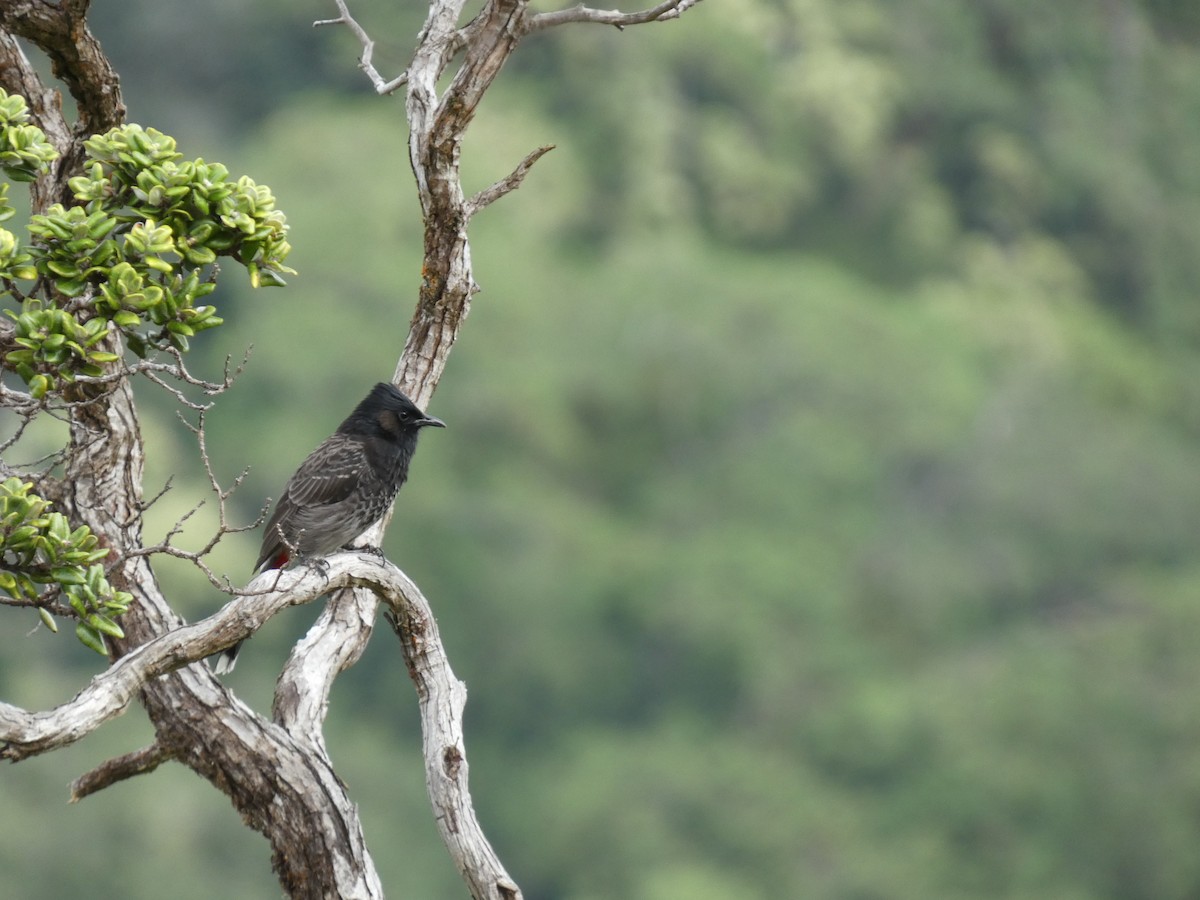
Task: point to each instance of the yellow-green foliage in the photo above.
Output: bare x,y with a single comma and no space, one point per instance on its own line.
39,553
134,253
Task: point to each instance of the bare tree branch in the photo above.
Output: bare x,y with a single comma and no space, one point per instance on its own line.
22,405
178,371
75,55
335,642
121,768
437,124
669,9
18,75
24,734
507,184
442,699
382,86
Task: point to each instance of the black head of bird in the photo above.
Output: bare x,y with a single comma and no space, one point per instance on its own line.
387,413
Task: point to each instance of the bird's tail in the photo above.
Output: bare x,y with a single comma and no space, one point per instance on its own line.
226,659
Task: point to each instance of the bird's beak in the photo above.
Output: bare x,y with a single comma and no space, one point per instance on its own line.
435,422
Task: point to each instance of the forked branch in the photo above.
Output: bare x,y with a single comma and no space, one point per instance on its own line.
441,696
24,734
382,85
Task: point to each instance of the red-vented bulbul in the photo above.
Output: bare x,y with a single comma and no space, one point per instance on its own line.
343,487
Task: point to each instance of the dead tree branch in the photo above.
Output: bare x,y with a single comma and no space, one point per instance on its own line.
506,185
24,734
382,85
121,768
669,9
437,125
441,695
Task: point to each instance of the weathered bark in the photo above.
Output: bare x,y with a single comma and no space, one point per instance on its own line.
60,31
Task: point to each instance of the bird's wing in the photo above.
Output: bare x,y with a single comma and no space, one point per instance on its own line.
328,476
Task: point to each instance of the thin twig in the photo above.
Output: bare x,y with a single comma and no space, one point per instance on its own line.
197,557
143,505
120,768
382,85
37,470
44,600
22,405
507,184
177,370
669,9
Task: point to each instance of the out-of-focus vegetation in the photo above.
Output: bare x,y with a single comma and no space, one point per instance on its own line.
818,512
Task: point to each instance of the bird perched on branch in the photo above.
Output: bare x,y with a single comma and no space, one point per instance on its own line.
343,487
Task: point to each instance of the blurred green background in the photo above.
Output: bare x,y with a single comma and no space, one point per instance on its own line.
817,516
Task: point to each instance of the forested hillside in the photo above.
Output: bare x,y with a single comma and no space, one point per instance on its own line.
818,511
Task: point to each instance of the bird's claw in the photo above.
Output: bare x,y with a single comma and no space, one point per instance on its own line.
366,548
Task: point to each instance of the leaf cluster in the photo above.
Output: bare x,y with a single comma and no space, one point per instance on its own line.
46,564
24,151
137,174
135,254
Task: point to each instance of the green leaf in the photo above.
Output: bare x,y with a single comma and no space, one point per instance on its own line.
38,386
68,575
96,580
91,638
105,625
71,287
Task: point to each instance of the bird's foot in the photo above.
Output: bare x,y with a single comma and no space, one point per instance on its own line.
366,548
319,563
